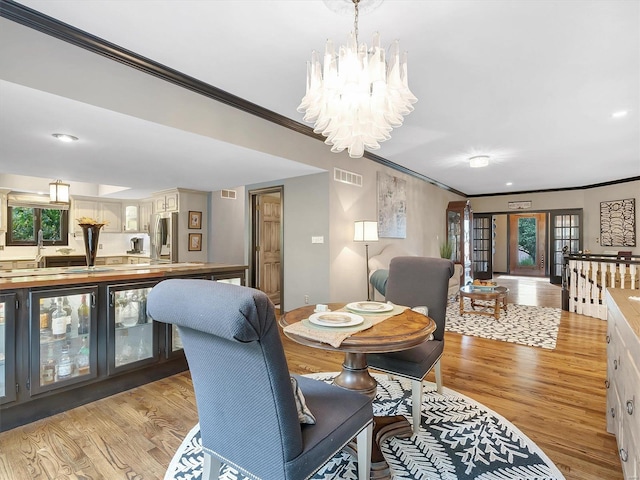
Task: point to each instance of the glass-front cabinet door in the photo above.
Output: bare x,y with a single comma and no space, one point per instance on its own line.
459,235
7,348
133,335
175,342
63,337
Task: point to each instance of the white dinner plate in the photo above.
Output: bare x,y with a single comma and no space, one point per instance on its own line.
369,307
336,319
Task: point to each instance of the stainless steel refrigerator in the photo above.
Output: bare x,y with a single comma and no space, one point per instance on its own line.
163,236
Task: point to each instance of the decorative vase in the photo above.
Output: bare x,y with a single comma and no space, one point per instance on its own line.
91,233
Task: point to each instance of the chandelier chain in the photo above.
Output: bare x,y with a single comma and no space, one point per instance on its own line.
355,19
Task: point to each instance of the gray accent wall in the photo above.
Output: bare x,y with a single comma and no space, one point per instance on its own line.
226,237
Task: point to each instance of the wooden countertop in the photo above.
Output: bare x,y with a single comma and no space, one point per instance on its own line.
14,279
629,308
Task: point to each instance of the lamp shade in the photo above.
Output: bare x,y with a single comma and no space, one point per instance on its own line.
59,192
365,231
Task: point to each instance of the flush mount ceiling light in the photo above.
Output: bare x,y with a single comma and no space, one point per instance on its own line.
63,137
357,96
620,114
59,192
479,161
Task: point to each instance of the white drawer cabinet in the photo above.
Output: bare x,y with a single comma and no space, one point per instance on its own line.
623,377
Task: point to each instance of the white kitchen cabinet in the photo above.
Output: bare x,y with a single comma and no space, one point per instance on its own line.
165,202
130,217
136,216
83,208
21,264
104,211
111,214
145,210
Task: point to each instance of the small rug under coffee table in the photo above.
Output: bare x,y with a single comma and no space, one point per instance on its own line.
523,324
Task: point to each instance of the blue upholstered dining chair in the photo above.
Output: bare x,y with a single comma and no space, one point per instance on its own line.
417,282
246,404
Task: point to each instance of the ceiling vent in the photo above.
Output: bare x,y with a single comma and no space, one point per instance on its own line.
345,176
229,194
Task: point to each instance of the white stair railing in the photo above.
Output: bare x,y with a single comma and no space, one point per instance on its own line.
589,277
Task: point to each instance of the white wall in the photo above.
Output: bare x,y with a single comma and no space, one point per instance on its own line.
501,246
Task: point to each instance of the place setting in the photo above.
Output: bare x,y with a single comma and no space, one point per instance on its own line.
333,327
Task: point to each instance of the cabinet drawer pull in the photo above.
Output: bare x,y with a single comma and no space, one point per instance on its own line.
615,364
624,456
630,407
613,412
608,338
606,383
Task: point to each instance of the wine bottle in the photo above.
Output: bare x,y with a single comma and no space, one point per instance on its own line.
65,366
82,358
83,316
48,367
59,321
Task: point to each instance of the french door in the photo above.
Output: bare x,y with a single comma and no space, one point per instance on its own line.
566,234
482,262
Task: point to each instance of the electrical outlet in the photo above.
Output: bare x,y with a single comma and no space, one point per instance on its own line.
99,246
1,247
306,299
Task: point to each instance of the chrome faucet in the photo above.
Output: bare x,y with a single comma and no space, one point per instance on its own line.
39,262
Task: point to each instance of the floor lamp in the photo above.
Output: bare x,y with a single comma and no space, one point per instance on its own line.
366,231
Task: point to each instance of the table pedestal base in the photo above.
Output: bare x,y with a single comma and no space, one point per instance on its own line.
355,376
383,428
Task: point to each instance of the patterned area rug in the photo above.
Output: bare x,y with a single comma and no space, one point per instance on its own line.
460,439
523,324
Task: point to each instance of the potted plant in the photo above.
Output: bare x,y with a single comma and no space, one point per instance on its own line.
446,250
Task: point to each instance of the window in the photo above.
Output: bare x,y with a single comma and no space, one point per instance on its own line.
23,224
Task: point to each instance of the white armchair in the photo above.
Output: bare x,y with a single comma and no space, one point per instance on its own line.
454,282
382,260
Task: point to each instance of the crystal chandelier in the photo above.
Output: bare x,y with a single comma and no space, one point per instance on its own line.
357,97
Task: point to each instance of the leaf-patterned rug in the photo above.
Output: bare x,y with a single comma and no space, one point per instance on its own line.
523,324
460,439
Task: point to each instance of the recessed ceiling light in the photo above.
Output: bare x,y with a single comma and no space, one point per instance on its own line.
63,137
620,114
508,184
479,161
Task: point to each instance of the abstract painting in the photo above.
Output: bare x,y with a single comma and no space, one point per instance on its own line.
392,206
618,223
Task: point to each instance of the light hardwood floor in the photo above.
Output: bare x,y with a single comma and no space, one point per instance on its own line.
557,398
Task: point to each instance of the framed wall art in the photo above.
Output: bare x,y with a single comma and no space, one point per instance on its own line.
618,223
195,219
392,206
195,242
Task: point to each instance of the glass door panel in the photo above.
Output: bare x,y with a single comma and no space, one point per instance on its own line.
132,333
63,337
7,348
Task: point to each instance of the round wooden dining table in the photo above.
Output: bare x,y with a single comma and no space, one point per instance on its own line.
400,332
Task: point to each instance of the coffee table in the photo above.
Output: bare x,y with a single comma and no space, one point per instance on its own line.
497,295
